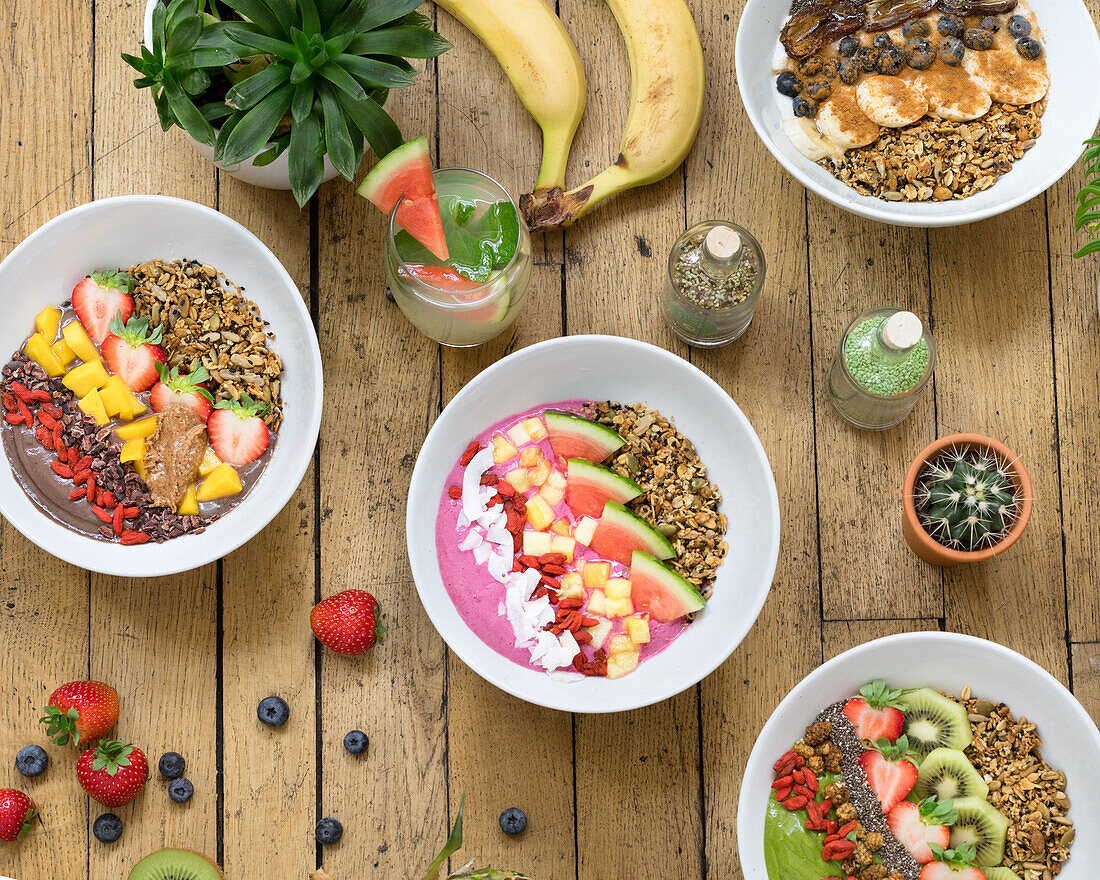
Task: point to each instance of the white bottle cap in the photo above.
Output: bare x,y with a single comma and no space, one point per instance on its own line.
722,243
902,330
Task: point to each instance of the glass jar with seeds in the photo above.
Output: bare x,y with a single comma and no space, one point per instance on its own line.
715,273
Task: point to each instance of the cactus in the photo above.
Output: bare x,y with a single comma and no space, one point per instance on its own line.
966,499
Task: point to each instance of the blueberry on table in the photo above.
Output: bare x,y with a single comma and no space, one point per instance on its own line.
171,765
329,831
389,295
32,761
951,26
180,790
273,711
1019,26
916,28
919,54
951,51
849,72
848,46
107,828
805,108
356,742
867,57
990,23
1029,48
978,39
891,61
788,84
882,41
513,821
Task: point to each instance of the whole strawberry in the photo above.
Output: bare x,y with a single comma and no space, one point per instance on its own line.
347,622
113,773
17,815
81,710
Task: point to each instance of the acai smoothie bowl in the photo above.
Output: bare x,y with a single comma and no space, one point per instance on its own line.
605,524
162,392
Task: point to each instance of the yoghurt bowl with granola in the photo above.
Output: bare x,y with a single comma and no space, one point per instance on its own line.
923,756
160,385
592,524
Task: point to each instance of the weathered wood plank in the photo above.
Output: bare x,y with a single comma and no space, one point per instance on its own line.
1086,677
837,636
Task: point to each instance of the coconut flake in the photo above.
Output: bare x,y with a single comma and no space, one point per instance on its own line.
473,539
482,554
472,504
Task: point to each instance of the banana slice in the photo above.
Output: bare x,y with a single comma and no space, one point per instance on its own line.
805,138
1007,76
842,123
890,101
954,96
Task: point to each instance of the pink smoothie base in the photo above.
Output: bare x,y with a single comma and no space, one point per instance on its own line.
474,592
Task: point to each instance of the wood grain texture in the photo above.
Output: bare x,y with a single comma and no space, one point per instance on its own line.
837,636
1086,677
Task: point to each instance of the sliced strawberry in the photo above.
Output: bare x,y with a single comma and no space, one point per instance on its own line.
187,390
891,771
132,352
99,298
918,825
237,433
876,712
952,864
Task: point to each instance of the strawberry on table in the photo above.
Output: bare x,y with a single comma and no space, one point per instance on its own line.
347,623
891,771
99,298
133,352
917,826
876,712
17,815
952,864
81,710
187,390
113,773
237,433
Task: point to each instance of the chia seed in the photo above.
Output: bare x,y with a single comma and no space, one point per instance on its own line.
697,286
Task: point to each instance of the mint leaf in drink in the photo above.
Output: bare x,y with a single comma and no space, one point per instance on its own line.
477,246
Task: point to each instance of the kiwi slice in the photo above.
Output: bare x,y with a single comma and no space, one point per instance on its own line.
949,775
932,721
1000,874
176,864
981,825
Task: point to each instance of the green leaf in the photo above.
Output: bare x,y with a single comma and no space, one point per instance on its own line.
373,121
271,154
203,56
160,12
1091,248
256,126
187,114
246,36
371,72
195,81
249,92
224,132
453,844
335,45
260,13
366,16
215,110
177,11
311,19
328,10
164,111
183,36
477,247
338,141
307,162
301,105
343,80
410,42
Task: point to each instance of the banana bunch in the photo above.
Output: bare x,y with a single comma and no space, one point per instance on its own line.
666,103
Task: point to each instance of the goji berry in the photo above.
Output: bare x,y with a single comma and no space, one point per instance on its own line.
51,409
62,450
85,462
506,489
131,537
783,794
809,778
130,512
116,520
102,514
797,802
589,621
553,569
13,418
550,582
805,792
77,494
47,420
62,470
468,456
91,486
529,561
846,828
489,479
570,604
74,457
521,504
455,492
10,403
43,436
782,782
584,638
797,776
21,391
552,559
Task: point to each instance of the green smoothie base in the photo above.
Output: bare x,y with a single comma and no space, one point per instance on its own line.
790,851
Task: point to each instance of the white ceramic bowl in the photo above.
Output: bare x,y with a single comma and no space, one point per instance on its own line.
123,231
609,368
948,662
1073,61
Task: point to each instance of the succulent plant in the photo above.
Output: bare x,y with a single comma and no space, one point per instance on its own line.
967,499
1088,199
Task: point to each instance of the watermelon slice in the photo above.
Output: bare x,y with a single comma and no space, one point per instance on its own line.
461,290
620,533
589,486
575,437
405,175
656,588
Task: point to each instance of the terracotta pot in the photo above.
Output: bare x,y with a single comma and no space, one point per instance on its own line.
927,547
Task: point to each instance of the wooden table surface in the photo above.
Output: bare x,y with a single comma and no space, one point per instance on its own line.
646,794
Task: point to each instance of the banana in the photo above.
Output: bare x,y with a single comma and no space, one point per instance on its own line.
953,102
1007,77
666,64
842,123
805,138
537,54
889,101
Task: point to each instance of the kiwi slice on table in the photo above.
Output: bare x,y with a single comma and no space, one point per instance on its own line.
176,864
1000,874
932,721
981,825
948,774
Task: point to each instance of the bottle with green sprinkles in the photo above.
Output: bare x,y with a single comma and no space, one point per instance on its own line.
882,366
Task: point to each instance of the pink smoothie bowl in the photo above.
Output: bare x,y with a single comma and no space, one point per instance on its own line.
609,368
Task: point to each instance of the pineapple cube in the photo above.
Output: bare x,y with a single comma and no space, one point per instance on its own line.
144,428
638,629
116,396
79,341
134,407
539,513
597,604
617,588
531,456
585,529
553,496
133,450
209,461
518,434
572,587
596,574
560,526
599,633
518,479
92,405
540,473
189,506
561,544
535,428
535,543
39,351
619,607
502,450
556,479
622,664
87,377
620,644
221,481
47,321
63,353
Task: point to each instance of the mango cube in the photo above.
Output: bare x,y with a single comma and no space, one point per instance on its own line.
518,434
143,428
561,527
518,479
133,408
552,496
585,529
47,321
596,575
116,396
535,543
622,663
87,377
535,428
220,482
63,353
572,587
79,341
139,466
539,513
133,450
530,457
617,588
92,405
502,450
599,633
638,630
597,604
39,351
561,544
618,607
189,506
209,461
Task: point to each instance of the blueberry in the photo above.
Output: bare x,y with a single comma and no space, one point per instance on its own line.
805,107
990,23
978,39
273,711
32,761
919,54
848,46
916,28
356,742
171,765
829,69
180,790
951,51
810,66
329,831
867,58
513,821
891,61
389,295
1029,48
788,84
849,72
818,90
107,828
950,26
1019,26
882,41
